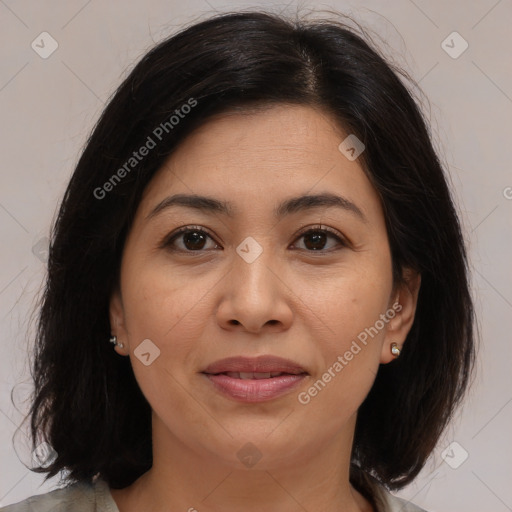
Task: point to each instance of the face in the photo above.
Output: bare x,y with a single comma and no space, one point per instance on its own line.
307,281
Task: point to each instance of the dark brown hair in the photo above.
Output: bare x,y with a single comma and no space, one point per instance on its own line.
87,404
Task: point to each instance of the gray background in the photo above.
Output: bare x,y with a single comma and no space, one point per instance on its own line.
48,107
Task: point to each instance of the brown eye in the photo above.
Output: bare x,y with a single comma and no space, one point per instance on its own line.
189,239
194,240
316,239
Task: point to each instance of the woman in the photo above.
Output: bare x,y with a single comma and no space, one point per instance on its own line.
261,227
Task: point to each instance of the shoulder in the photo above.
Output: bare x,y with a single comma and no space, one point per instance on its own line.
380,497
76,497
386,502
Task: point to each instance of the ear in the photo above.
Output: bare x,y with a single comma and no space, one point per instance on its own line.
405,298
117,322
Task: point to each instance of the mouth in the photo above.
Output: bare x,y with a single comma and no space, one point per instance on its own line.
254,379
253,375
259,366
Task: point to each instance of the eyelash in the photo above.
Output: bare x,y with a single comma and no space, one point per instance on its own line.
168,241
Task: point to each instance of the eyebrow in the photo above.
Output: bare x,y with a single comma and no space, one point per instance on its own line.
287,207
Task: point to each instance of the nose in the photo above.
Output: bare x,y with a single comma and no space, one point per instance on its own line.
255,297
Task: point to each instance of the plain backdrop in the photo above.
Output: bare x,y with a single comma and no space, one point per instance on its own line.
49,105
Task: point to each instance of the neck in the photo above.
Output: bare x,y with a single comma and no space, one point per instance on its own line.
195,478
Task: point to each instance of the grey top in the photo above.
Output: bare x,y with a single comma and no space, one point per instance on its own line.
96,497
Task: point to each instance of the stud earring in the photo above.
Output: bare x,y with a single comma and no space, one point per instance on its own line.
113,339
395,350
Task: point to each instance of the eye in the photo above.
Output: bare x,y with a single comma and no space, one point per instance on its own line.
195,238
192,238
316,238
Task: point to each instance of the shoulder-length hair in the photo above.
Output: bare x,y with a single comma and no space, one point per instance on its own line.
87,404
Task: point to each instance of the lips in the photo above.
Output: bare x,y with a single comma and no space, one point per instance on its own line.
253,375
262,367
255,379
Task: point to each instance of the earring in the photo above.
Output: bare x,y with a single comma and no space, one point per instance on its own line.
395,350
113,339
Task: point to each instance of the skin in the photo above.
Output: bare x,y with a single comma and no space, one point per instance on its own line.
292,302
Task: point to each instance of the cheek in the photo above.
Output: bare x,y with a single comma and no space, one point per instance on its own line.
164,304
350,356
162,307
347,302
350,341
172,315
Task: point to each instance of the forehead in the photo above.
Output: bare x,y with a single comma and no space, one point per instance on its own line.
255,158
